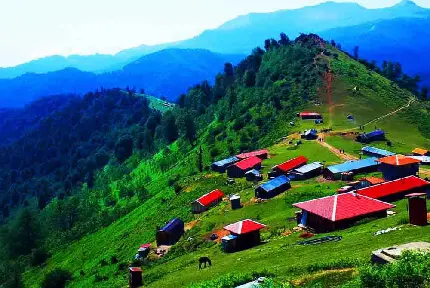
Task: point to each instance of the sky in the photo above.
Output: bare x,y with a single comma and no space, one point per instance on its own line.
31,29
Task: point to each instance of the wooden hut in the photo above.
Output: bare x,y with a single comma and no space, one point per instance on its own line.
135,277
171,232
239,169
339,211
417,206
395,190
253,175
307,171
273,187
206,201
235,202
398,166
245,234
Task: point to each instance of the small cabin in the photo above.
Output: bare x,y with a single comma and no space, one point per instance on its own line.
377,135
143,250
310,134
290,165
421,152
239,169
417,207
309,115
206,201
273,187
222,165
135,277
307,171
171,232
349,168
243,235
235,202
376,152
398,166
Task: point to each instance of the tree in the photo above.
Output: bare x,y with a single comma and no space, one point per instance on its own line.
250,77
124,148
182,100
424,93
356,52
169,128
398,71
187,127
200,159
267,44
42,201
24,233
57,278
284,41
333,43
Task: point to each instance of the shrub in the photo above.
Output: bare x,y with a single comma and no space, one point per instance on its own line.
113,259
39,257
103,263
99,278
57,278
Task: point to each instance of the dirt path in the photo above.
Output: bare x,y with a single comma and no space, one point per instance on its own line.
334,150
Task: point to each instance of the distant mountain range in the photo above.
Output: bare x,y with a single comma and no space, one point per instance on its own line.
397,33
165,73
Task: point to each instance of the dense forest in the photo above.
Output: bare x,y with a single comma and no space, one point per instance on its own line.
86,164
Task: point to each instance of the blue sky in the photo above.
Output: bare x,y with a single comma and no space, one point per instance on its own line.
31,29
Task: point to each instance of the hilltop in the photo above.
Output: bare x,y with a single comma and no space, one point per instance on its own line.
249,106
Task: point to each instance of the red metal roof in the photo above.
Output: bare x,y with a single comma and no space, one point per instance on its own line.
145,246
373,180
309,114
394,187
248,163
135,269
292,164
253,153
210,197
398,160
343,206
244,227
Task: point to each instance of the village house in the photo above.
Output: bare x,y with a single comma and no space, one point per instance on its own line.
262,154
421,152
339,211
239,169
307,171
398,166
376,152
288,166
310,134
309,115
170,233
273,187
367,165
243,235
397,189
377,135
206,201
222,165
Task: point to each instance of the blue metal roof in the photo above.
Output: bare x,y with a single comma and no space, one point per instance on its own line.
275,183
254,171
353,165
375,133
377,151
308,168
311,132
227,161
172,224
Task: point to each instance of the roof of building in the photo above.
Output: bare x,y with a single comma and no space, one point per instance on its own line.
172,224
373,180
422,159
398,160
377,151
393,187
275,183
309,114
309,167
353,165
416,195
254,172
253,153
375,133
292,164
343,206
145,246
248,163
244,227
135,269
420,151
311,132
235,197
226,161
210,197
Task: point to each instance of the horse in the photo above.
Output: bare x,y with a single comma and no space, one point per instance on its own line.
204,260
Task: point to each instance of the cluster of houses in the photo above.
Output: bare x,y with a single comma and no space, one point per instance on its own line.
367,198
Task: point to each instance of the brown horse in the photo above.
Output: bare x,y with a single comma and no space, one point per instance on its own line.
204,260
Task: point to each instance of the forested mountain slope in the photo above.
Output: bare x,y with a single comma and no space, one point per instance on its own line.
249,106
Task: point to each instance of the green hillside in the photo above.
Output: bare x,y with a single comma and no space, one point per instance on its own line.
249,107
